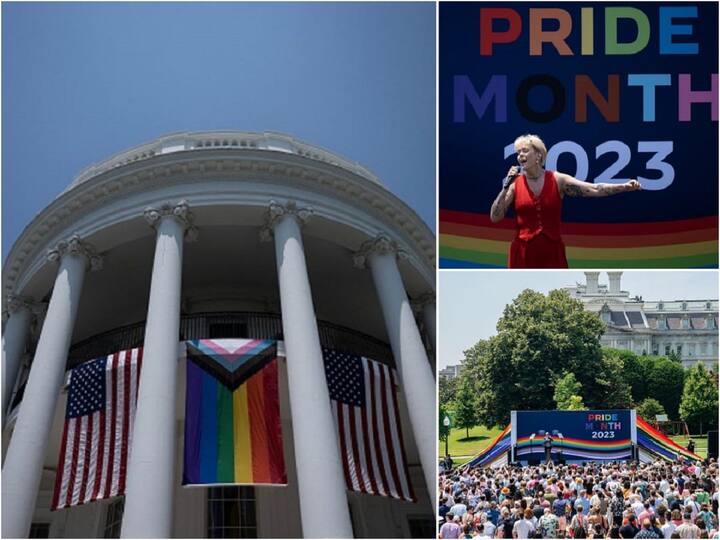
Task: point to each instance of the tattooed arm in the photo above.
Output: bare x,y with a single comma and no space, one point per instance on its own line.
502,202
506,196
572,187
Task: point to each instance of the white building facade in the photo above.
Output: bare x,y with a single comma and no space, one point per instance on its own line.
212,235
686,328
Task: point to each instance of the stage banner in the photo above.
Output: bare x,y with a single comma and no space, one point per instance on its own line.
616,91
575,435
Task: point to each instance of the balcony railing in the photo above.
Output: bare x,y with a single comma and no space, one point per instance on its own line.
179,142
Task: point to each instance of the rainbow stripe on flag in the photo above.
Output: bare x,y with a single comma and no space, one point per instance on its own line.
470,240
232,414
657,444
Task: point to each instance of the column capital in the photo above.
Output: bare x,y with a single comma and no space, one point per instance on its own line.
277,211
426,298
180,212
16,302
382,244
75,245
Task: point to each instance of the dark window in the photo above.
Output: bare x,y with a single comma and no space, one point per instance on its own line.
113,518
421,526
228,330
231,512
39,530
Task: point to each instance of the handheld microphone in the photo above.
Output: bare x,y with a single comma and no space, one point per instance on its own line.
511,178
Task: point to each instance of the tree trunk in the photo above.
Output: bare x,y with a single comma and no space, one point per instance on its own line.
467,432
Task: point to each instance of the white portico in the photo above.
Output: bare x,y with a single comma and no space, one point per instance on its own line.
229,192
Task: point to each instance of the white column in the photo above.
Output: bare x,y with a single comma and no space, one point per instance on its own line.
14,341
415,372
151,464
23,466
425,303
321,482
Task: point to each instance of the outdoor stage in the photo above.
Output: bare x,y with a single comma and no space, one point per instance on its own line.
535,437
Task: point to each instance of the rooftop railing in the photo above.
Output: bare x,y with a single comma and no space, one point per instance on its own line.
181,142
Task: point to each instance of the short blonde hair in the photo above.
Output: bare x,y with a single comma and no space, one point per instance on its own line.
537,144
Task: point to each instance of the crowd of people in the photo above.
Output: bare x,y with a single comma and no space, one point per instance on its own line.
589,500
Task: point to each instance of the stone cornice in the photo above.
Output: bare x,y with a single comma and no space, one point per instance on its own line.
223,164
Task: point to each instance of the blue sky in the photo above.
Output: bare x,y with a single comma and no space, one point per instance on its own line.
471,302
82,81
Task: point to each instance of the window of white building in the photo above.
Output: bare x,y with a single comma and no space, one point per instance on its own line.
231,512
678,350
113,518
691,349
667,349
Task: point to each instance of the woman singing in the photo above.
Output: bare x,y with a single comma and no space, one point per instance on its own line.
536,195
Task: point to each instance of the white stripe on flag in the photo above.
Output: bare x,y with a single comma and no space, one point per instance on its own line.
357,413
80,460
133,398
381,431
396,445
67,463
119,402
90,487
108,426
349,454
371,427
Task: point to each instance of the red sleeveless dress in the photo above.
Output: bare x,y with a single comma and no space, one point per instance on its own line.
537,243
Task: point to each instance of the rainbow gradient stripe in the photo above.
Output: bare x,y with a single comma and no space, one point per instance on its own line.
659,445
470,240
495,454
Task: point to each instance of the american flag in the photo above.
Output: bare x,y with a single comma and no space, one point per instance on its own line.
98,429
364,402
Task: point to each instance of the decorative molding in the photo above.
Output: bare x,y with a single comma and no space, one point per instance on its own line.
276,212
76,246
237,165
16,302
380,245
423,300
179,212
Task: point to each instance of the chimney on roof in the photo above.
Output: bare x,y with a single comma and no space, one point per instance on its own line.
614,285
591,282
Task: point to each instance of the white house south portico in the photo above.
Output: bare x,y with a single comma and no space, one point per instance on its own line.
327,274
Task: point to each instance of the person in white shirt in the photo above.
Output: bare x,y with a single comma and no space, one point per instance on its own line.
524,528
488,526
666,525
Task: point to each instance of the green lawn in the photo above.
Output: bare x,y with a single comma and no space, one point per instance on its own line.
700,443
461,447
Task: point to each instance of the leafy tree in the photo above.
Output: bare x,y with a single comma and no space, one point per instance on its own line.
612,384
632,369
575,403
654,377
567,393
664,382
540,338
465,406
649,408
699,403
447,387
